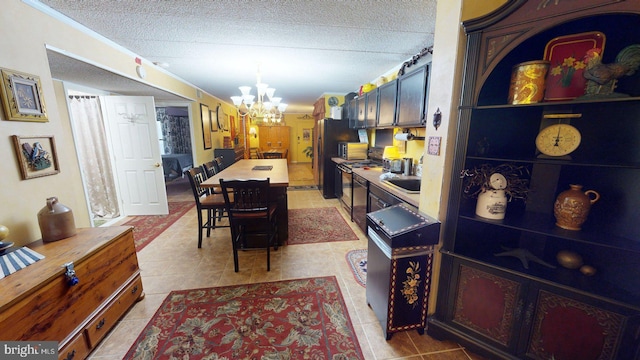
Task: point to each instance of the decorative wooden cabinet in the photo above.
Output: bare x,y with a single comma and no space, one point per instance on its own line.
494,305
274,137
412,92
229,156
37,303
546,311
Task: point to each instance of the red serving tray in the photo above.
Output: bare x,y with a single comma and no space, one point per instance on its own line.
566,57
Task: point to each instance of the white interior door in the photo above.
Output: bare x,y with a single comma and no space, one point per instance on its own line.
131,122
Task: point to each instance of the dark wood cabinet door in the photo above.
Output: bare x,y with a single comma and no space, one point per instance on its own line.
371,113
565,328
488,304
411,92
387,95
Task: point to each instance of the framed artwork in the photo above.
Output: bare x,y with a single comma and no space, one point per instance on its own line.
214,124
22,98
36,156
206,126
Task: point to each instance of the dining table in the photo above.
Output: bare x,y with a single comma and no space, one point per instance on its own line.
278,173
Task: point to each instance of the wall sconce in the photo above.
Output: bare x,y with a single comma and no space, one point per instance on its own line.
252,131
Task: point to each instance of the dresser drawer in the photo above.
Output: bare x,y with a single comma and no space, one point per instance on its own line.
105,320
76,349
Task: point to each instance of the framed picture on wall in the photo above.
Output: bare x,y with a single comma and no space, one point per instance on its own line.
36,156
214,123
22,96
206,126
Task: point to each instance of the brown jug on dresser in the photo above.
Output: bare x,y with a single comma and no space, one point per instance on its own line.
572,207
56,221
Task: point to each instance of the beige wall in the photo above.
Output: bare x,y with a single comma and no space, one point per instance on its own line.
26,33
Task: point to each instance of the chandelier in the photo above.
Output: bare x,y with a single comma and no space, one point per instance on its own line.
269,108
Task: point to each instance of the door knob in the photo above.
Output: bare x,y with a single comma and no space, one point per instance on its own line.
157,164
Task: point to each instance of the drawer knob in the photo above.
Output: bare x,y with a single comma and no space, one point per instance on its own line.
134,290
100,324
70,274
70,355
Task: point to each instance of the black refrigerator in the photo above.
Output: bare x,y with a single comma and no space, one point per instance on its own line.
330,133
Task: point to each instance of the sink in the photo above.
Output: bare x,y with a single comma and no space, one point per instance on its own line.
411,186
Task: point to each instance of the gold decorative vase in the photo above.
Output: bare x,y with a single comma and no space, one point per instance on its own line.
528,82
572,207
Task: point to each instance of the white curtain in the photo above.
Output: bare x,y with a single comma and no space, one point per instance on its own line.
95,164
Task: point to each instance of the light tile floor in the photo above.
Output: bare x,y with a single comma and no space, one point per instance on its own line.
173,262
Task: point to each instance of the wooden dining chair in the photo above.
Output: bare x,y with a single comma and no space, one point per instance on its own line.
252,216
212,203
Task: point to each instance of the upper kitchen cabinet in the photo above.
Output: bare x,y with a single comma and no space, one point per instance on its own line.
412,95
371,108
387,96
538,283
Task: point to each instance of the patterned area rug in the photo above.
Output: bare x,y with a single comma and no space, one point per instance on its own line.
293,319
316,225
147,228
357,260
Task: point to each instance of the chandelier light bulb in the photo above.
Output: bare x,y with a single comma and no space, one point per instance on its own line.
270,109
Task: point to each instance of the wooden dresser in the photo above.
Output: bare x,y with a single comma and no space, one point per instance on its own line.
37,303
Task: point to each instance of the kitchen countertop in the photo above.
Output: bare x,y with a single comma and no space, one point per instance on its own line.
373,176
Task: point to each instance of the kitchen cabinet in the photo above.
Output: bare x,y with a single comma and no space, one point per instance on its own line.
412,95
371,112
353,113
360,196
39,304
540,311
387,96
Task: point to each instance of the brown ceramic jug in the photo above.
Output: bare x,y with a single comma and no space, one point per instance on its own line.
56,221
572,207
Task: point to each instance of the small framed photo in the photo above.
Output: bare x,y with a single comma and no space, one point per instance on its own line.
22,98
36,156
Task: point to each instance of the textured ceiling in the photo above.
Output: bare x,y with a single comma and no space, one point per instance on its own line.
303,48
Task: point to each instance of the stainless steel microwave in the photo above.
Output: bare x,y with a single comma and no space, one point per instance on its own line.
353,150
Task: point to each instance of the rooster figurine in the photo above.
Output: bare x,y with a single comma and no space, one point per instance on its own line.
602,78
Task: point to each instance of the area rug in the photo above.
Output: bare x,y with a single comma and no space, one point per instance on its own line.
292,319
316,225
357,260
303,187
148,227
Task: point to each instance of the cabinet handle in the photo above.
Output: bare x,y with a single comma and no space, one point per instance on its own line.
100,324
70,355
134,290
